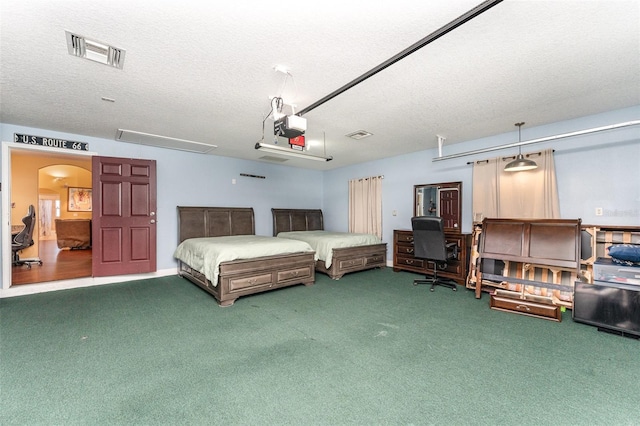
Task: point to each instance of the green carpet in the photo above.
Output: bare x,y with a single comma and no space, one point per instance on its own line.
368,349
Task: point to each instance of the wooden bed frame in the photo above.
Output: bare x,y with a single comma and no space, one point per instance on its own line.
344,260
245,276
549,244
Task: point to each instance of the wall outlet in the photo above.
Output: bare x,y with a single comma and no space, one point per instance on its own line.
598,211
394,213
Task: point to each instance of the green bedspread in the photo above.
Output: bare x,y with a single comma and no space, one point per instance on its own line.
323,242
205,254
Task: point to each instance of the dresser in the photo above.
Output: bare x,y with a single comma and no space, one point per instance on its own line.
404,260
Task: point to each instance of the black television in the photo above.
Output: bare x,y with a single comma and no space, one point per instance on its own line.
611,307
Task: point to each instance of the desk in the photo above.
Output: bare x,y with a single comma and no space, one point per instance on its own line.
404,260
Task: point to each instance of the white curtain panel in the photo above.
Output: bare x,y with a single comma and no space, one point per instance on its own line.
529,194
365,206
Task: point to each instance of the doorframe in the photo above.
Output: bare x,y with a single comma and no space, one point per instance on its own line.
7,149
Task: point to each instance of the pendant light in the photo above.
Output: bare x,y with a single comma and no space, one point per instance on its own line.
520,163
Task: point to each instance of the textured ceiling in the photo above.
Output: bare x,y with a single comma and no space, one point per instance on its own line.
204,71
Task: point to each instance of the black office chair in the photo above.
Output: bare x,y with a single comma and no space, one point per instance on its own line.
429,243
24,239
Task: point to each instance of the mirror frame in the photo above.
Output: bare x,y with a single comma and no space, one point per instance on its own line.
443,185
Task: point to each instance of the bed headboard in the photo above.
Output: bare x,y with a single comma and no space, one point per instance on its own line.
551,242
194,222
285,220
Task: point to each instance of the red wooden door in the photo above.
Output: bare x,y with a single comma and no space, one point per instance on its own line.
449,207
124,216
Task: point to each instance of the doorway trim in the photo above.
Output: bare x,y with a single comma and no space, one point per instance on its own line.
7,149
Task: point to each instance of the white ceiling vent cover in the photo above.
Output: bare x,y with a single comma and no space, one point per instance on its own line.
132,136
96,51
360,134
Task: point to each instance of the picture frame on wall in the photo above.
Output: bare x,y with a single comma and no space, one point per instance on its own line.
80,199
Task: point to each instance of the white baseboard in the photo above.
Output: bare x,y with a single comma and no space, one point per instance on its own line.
26,289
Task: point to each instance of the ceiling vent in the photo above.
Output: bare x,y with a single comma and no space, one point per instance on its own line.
96,51
360,134
132,136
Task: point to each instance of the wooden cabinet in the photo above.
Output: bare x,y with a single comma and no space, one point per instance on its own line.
404,259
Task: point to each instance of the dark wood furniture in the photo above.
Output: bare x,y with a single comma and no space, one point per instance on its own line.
344,260
245,276
404,259
73,233
439,200
549,244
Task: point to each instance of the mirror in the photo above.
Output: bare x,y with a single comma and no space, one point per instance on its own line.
439,199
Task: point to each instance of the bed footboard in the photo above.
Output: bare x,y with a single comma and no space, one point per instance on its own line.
353,259
249,276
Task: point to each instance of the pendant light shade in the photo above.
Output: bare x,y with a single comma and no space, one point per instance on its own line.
520,163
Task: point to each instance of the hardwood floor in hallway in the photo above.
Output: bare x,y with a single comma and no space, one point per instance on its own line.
57,264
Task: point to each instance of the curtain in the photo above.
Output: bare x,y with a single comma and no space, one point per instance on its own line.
45,207
530,194
365,206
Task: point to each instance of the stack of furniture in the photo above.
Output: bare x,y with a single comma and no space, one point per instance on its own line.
611,262
544,258
595,241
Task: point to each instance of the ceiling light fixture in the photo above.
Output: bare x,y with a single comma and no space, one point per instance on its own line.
274,149
520,163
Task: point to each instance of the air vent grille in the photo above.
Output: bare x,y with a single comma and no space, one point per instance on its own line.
96,51
360,134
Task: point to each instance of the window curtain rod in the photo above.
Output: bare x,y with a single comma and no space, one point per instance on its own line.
370,177
508,158
469,15
545,139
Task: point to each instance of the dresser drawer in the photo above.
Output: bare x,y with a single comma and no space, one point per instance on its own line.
236,284
404,237
294,274
410,261
404,248
526,307
453,266
352,263
377,259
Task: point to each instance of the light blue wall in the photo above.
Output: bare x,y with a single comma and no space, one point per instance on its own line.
597,170
188,179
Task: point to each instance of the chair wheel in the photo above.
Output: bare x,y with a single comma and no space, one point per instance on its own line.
432,289
455,289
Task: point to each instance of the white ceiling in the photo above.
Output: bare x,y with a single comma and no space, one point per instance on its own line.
204,71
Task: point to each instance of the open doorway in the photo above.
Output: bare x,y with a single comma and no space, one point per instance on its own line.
43,179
